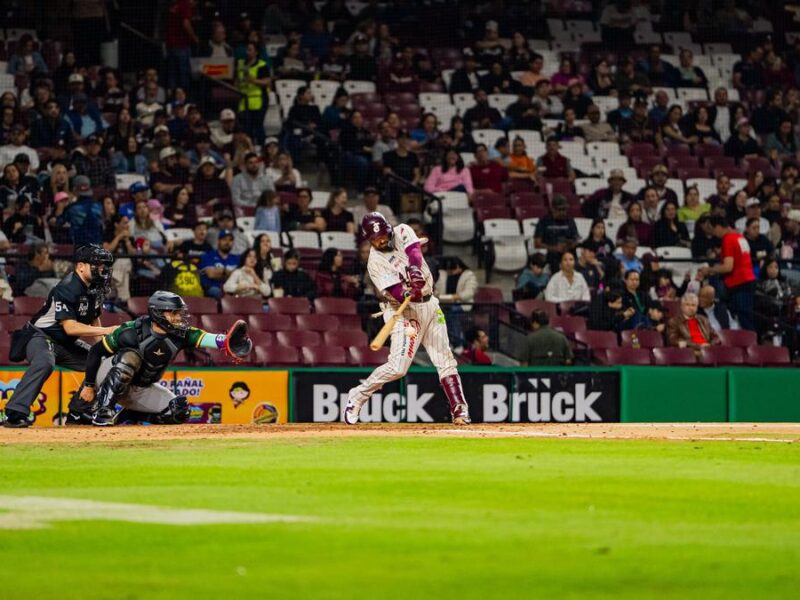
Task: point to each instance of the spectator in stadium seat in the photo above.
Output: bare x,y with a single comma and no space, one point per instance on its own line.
26,60
699,126
606,313
671,133
305,116
688,329
767,118
217,265
524,114
170,174
52,132
371,203
180,212
777,74
550,105
556,232
567,284
783,145
622,112
752,210
692,208
773,297
748,73
636,303
34,270
575,99
533,75
336,113
595,130
660,107
427,136
362,66
567,130
481,115
330,279
449,176
16,145
30,185
208,187
23,226
356,142
458,285
292,280
386,142
476,344
617,22
658,71
222,131
194,248
224,221
336,215
604,247
566,73
458,138
723,195
498,80
636,227
639,127
283,174
268,212
553,164
610,202
600,80
84,216
85,119
8,119
401,161
717,313
627,255
760,246
736,269
520,165
519,53
545,346
721,114
201,149
668,230
627,80
249,184
790,238
688,75
658,181
217,45
245,281
589,266
144,225
179,38
95,164
128,158
533,279
466,79
487,175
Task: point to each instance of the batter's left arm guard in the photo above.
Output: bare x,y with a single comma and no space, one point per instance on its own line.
237,343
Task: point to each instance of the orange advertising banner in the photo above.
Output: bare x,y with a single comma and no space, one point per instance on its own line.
46,406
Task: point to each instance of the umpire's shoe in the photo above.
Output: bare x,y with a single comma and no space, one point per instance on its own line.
105,417
16,420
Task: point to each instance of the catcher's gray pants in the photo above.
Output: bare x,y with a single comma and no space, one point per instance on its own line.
153,398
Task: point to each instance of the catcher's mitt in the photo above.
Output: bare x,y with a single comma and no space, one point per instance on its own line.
237,343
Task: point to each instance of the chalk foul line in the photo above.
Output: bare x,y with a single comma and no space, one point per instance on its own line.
37,512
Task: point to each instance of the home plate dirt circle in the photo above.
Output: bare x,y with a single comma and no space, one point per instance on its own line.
740,432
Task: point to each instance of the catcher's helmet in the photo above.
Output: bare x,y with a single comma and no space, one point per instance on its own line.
375,225
163,301
101,261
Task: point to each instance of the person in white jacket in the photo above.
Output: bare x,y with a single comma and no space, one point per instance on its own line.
567,285
244,282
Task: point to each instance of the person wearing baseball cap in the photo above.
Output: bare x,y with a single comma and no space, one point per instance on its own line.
556,232
16,145
94,163
84,117
216,265
222,130
741,145
610,202
658,181
790,237
171,174
84,216
371,203
752,210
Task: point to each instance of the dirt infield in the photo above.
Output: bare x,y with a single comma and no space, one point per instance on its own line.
743,432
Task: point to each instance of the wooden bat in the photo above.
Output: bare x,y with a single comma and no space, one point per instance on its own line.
386,330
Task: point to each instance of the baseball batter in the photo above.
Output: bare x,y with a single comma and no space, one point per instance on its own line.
397,268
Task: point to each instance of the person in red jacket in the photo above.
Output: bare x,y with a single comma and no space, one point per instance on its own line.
487,174
736,269
477,345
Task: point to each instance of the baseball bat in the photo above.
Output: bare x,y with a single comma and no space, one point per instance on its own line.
386,330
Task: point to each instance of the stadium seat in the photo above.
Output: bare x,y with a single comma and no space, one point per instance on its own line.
738,338
328,305
568,325
363,356
4,307
674,357
337,239
298,338
721,356
647,338
116,318
510,252
285,356
488,295
24,305
219,323
628,356
768,356
526,307
271,322
262,338
324,356
315,322
13,322
350,322
289,306
201,306
242,306
597,342
346,339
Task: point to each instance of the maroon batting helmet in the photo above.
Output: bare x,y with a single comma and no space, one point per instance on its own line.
375,225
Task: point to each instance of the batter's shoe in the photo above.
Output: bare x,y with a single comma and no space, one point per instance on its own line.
16,420
352,410
459,409
105,417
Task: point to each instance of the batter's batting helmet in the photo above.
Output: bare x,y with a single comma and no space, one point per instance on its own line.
375,225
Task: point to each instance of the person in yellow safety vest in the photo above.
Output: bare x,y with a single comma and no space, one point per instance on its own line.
252,76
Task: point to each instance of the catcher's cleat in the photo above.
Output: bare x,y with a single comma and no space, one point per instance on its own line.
352,410
104,417
75,417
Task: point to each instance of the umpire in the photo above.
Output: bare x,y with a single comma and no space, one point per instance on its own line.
51,337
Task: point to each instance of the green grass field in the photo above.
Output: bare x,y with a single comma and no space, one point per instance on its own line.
412,518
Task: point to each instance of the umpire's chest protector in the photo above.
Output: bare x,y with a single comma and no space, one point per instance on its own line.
157,352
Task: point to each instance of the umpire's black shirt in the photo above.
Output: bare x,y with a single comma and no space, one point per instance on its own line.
69,300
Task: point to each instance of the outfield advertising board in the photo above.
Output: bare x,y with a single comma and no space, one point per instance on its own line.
45,407
493,396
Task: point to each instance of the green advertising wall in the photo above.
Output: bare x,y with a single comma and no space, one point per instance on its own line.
758,395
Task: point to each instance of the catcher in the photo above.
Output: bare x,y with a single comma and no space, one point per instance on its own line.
128,364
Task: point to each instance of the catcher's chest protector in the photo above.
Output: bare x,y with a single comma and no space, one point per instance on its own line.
157,352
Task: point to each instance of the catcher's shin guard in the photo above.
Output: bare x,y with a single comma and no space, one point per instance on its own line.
459,410
115,385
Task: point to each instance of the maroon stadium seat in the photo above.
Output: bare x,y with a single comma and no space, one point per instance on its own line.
719,162
674,357
738,338
721,356
768,356
4,307
242,306
299,338
488,295
25,305
271,322
648,338
346,339
202,306
568,325
731,172
316,322
703,150
678,150
278,356
290,306
751,165
13,322
640,149
109,319
530,212
487,201
556,186
350,322
597,342
514,186
493,212
628,356
362,355
526,307
324,356
219,323
527,199
693,173
262,338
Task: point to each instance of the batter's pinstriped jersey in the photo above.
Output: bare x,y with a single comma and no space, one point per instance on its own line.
388,268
